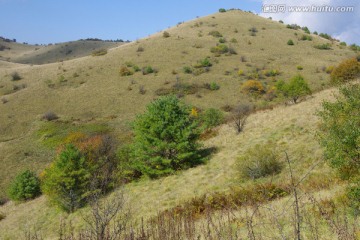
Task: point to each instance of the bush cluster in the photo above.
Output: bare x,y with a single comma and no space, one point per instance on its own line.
325,46
347,70
253,87
297,87
215,33
125,71
166,34
259,161
220,49
25,186
15,76
211,118
84,166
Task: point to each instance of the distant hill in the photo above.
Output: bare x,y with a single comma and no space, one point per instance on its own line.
40,54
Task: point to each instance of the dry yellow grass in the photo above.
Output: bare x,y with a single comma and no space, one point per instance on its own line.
90,90
291,128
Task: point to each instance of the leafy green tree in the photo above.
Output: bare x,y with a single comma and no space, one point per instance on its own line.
340,131
296,88
25,186
66,181
340,136
165,138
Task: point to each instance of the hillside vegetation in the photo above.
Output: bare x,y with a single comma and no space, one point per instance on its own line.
218,61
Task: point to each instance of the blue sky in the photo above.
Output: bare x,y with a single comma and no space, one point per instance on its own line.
50,21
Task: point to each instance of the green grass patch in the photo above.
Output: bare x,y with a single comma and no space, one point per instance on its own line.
52,134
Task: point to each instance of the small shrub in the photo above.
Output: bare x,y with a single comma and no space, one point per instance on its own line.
259,161
243,59
220,49
187,69
136,68
214,86
125,71
99,52
347,70
222,40
49,116
299,68
240,72
253,29
215,34
325,46
233,40
140,49
343,44
253,87
15,76
166,34
203,63
222,10
25,186
306,38
290,42
211,118
147,70
281,21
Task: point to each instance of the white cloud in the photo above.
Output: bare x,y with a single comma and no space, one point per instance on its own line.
344,26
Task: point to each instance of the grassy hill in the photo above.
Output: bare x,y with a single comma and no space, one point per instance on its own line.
90,95
40,54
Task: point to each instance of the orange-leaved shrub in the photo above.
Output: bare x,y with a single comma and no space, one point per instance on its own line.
253,87
347,70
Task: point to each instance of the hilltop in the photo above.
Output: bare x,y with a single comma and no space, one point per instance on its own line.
95,94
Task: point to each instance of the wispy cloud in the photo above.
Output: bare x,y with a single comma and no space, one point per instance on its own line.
342,25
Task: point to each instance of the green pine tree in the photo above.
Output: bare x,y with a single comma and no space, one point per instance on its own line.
165,138
66,181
